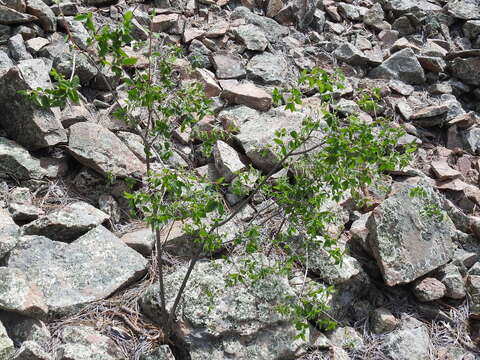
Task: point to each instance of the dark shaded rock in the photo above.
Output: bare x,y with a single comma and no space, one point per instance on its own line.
25,122
466,70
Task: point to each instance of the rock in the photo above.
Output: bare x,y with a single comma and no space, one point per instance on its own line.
17,49
400,87
30,350
466,70
375,17
45,16
349,11
451,277
227,161
246,94
163,352
84,68
443,171
20,295
78,32
23,328
410,236
272,30
36,44
359,231
471,140
84,342
207,78
464,9
407,344
68,223
8,233
473,289
405,6
471,29
383,321
345,337
429,289
72,275
432,63
228,66
24,212
142,240
6,344
25,122
252,37
403,65
10,16
349,54
269,69
98,148
216,327
17,161
257,132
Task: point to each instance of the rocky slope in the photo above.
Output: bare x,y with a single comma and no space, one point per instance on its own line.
75,274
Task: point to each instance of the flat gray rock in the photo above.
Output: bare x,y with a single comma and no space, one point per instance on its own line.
464,9
67,223
466,70
9,16
410,235
98,148
273,30
71,275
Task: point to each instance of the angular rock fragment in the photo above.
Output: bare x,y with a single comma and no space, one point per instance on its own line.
273,30
451,277
227,161
67,223
410,234
20,295
269,69
228,66
466,70
10,16
464,9
142,240
84,342
403,65
8,233
429,289
6,344
240,313
246,94
252,37
25,122
72,275
443,171
43,13
16,161
98,148
30,350
407,344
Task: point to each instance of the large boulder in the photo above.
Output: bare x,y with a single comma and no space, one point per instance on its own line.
25,122
98,148
410,235
403,65
71,275
68,223
236,320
